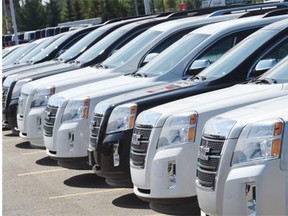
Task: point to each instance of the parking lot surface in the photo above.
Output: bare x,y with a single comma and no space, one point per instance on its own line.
33,184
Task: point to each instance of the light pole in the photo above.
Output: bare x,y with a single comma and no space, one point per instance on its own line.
14,21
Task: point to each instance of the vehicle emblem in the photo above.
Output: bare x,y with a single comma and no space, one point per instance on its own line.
136,139
202,153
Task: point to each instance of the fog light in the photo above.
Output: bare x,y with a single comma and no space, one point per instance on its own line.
250,191
71,140
39,123
171,174
116,158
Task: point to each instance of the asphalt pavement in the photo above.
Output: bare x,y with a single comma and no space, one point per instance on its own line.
33,184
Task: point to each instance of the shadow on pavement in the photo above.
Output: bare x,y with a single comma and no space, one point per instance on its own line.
87,180
24,145
46,161
130,201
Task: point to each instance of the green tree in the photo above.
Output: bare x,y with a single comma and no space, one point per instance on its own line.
53,9
70,11
32,15
110,9
79,8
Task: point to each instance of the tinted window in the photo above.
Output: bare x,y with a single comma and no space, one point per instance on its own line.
172,55
128,51
236,56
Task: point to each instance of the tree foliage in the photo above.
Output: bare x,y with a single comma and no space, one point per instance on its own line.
32,14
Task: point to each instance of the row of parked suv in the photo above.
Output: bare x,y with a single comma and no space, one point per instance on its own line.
186,107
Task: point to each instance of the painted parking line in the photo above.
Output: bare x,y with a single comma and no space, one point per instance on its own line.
34,152
90,192
42,171
9,139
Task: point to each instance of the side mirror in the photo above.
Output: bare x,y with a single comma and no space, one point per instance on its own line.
263,66
198,65
60,53
148,58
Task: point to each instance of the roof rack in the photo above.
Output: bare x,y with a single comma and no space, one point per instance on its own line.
203,11
251,8
277,12
127,18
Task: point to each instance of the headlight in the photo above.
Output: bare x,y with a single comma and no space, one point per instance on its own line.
76,109
178,129
101,107
17,88
148,118
41,96
259,141
122,118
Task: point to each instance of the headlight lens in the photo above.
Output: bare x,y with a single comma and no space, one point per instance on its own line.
259,141
148,118
76,109
178,129
17,88
41,96
122,118
101,107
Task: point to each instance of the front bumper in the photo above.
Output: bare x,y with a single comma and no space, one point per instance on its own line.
31,126
270,184
161,181
69,142
9,113
112,160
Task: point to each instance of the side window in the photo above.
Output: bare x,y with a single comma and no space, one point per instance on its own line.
170,40
126,40
166,43
277,52
222,46
219,48
71,43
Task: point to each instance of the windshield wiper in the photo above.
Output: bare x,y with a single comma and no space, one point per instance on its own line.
74,62
197,78
265,81
101,66
139,74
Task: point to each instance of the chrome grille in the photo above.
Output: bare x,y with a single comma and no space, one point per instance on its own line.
209,160
4,96
94,129
49,120
21,104
139,145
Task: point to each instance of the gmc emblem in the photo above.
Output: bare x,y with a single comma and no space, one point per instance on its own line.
136,138
202,153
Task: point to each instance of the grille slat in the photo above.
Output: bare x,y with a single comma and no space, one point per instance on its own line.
139,145
4,96
95,129
49,120
209,161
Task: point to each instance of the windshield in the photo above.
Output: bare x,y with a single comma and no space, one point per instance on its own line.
235,56
37,49
278,73
82,44
129,50
21,51
100,47
50,48
172,55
